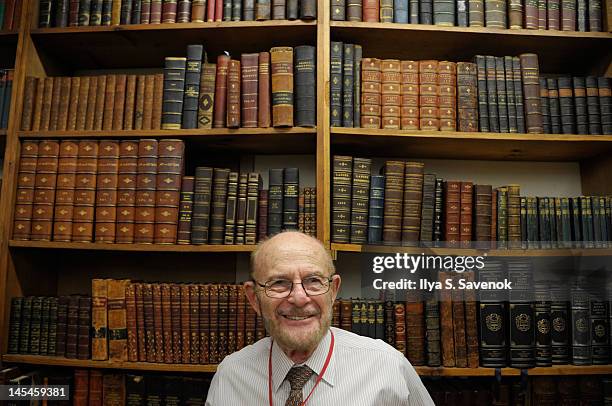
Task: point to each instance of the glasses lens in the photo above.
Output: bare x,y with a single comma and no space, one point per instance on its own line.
278,288
315,286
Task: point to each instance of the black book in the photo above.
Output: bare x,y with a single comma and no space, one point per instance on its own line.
413,10
605,104
348,84
227,10
193,70
594,114
493,318
427,208
275,201
543,222
438,212
426,11
200,218
15,325
126,12
338,10
533,232
291,192
389,322
26,317
173,390
510,96
597,222
491,76
44,13
359,200
576,235
62,326
544,106
308,9
553,103
560,325
35,321
543,349
84,12
95,15
218,206
342,171
230,208
136,7
154,386
236,10
566,223
524,238
552,221
6,106
521,306
432,332
502,104
194,390
518,94
135,390
44,326
380,320
376,209
483,112
356,316
305,86
357,87
586,215
566,105
53,316
581,323
292,9
600,330
174,90
335,85
580,104
603,224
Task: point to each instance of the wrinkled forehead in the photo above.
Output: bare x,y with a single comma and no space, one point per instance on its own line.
286,260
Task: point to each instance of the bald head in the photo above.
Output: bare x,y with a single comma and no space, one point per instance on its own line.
290,246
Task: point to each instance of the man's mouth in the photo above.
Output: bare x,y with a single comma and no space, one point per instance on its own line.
296,318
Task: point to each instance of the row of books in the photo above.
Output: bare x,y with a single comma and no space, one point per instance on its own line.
492,94
101,102
134,191
576,105
10,14
238,93
566,15
406,206
6,90
62,13
536,391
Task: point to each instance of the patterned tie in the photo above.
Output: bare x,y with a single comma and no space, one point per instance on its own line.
297,376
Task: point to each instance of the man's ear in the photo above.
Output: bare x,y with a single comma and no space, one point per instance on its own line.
335,285
249,291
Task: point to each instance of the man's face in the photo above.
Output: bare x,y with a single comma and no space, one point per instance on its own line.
297,322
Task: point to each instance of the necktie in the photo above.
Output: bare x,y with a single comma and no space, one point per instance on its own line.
297,377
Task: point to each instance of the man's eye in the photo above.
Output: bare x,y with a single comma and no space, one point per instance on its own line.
280,284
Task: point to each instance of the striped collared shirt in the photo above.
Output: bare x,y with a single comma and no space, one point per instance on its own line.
362,371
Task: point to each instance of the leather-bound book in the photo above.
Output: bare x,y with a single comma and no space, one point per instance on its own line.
126,191
106,191
166,322
371,11
45,324
532,223
291,181
262,215
467,97
400,327
452,213
84,327
126,13
60,88
492,319
604,86
476,17
204,323
218,205
24,333
594,13
117,321
429,114
135,390
213,333
233,95
415,331
254,183
263,10
400,11
61,330
390,93
249,94
580,101
437,212
444,12
248,10
44,190
64,193
100,102
502,216
568,15
109,102
192,318
193,70
130,102
359,200
90,105
113,389
131,322
515,14
305,87
432,332
200,219
491,78
230,208
545,107
139,103
167,196
232,292
502,103
532,14
279,9
566,105
580,318
156,12
427,208
146,181
241,208
29,94
592,102
531,91
175,323
149,323
376,209
174,90
81,387
95,387
514,216
119,102
95,12
45,117
73,13
600,330
35,322
206,95
371,77
78,108
185,210
263,97
354,10
412,200
554,108
44,14
581,15
292,9
336,83
457,297
521,314
447,97
275,201
99,323
169,11
386,11
38,104
281,63
220,98
446,322
518,94
341,198
495,14
471,322
223,325
482,215
308,10
409,95
481,75
338,10
543,326
394,191
157,101
356,86
15,325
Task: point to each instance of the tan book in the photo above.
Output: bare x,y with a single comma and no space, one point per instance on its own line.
139,103
116,12
75,91
64,103
81,113
117,323
158,95
29,95
38,104
130,100
56,103
147,113
119,105
99,107
109,102
282,86
99,321
91,103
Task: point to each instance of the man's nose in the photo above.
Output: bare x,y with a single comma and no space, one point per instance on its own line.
298,295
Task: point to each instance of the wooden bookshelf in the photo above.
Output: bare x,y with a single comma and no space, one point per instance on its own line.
423,371
462,43
92,246
475,145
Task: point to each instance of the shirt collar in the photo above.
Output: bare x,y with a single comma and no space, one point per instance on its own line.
281,363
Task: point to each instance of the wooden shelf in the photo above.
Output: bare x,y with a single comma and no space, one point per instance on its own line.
466,145
266,140
389,249
423,371
559,51
130,247
146,45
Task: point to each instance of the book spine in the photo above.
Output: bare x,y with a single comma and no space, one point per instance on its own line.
109,102
545,107
64,194
553,104
205,323
131,320
233,95
99,323
252,220
290,198
593,111
250,86
531,91
581,333
220,99
193,69
281,66
155,94
542,313
83,329
341,198
447,99
169,10
230,208
483,111
371,11
167,196
359,200
429,111
218,205
263,102
201,205
197,13
174,90
194,323
241,208
390,93
566,105
409,95
305,86
466,214
117,322
371,93
206,95
594,11
518,94
502,103
492,319
493,112
126,191
444,12
413,196
275,201
394,189
185,210
495,13
146,181
336,84
263,10
106,192
248,10
521,313
604,86
467,97
560,323
515,14
452,213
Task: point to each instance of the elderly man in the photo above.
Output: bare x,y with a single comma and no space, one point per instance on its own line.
305,361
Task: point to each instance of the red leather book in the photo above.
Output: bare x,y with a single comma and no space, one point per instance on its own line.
263,96
223,322
117,320
465,219
64,195
452,212
24,199
250,324
409,92
169,173
126,191
390,93
175,309
219,118
73,13
241,304
459,324
447,97
146,181
81,387
156,12
471,322
169,11
210,10
371,11
158,318
106,191
132,326
218,10
232,312
213,336
149,323
44,190
205,325
370,93
249,64
400,327
139,289
185,325
233,94
95,387
194,323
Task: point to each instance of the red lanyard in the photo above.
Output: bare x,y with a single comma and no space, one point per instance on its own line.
329,354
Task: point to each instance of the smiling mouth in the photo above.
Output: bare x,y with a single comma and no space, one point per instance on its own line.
296,318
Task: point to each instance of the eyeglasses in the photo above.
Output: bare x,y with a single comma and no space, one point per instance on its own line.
282,288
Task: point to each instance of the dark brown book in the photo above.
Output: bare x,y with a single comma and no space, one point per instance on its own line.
84,327
109,102
146,181
471,322
219,111
81,387
83,99
166,316
130,100
218,205
99,321
281,68
202,200
29,95
185,325
149,322
126,191
394,191
158,322
415,330
113,389
100,103
24,199
85,192
91,104
194,323
531,92
263,96
106,191
204,327
249,64
167,196
413,197
447,337
73,101
466,214
459,323
38,104
175,322
139,101
262,215
156,109
95,387
141,332
119,102
207,95
447,98
45,117
467,97
233,94
390,93
117,321
169,12
400,325
213,335
223,323
341,198
64,195
44,190
185,210
60,88
132,320
482,215
149,102
452,213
